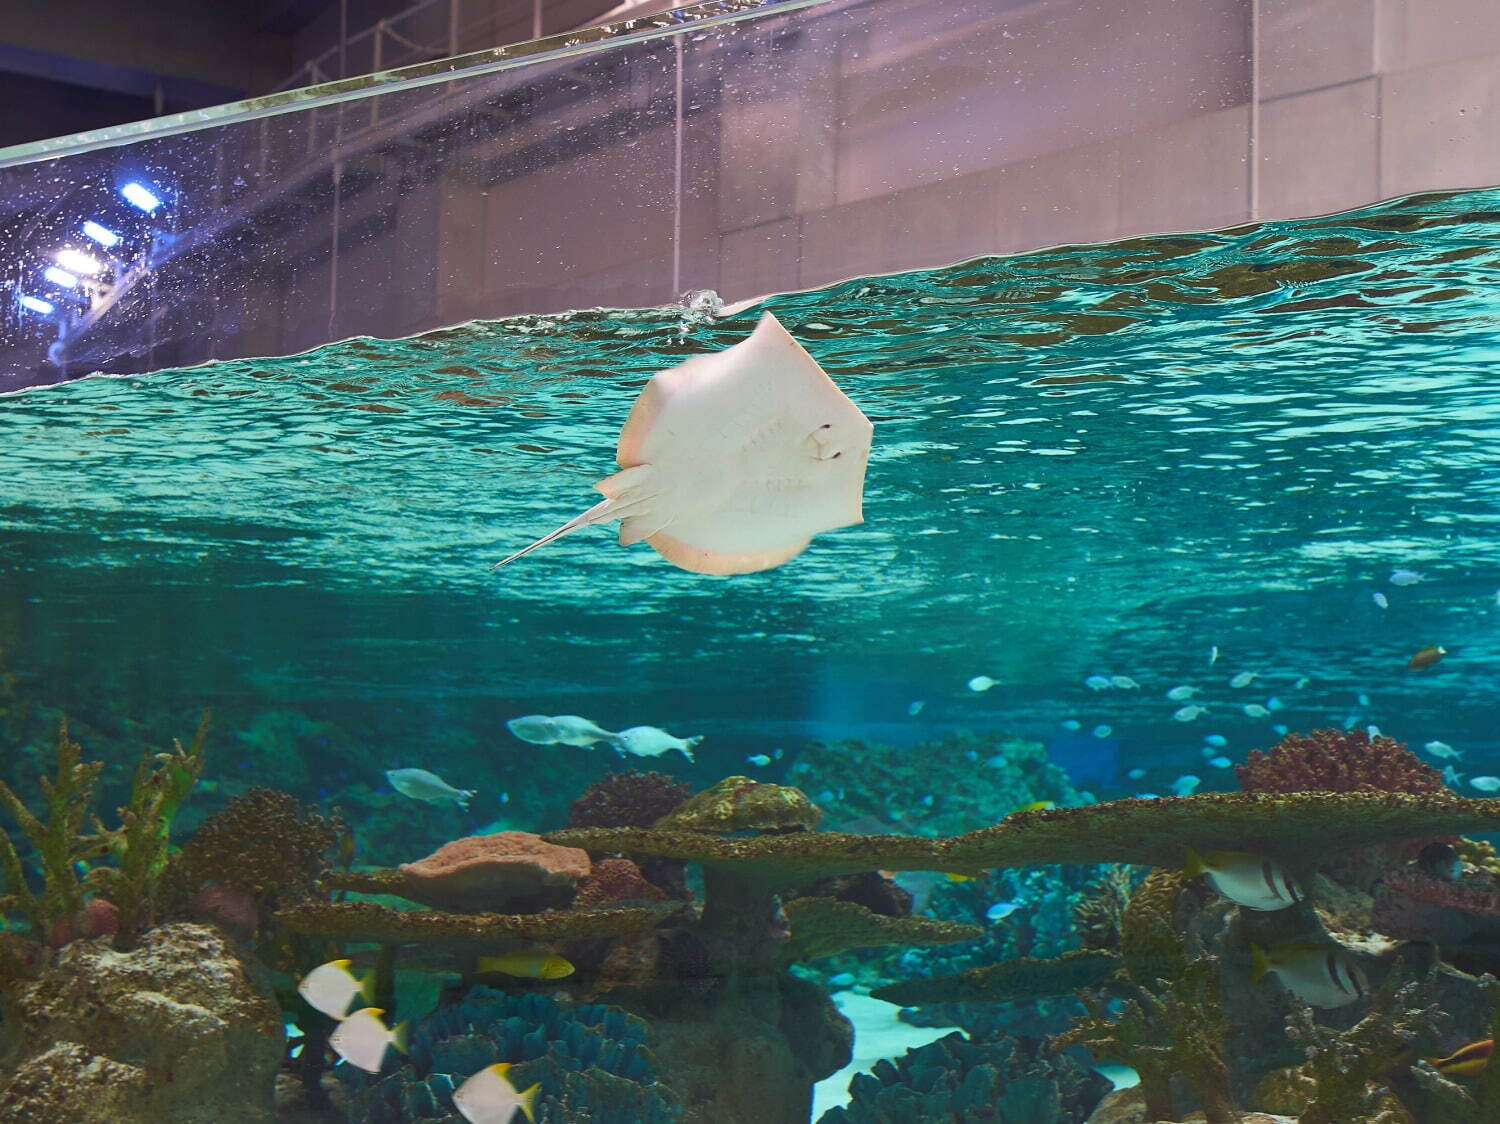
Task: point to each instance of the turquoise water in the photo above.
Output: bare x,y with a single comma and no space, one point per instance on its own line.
1108,459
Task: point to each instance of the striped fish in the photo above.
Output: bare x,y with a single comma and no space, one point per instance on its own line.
1321,975
1467,1061
1252,881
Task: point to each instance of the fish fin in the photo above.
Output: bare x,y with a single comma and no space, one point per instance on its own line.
464,796
399,1035
1260,964
528,1102
367,989
342,963
1193,865
618,745
601,512
687,750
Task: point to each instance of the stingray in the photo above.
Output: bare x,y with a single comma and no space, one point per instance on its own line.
730,463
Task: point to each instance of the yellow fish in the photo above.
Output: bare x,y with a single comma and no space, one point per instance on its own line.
962,877
1468,1061
1034,806
530,963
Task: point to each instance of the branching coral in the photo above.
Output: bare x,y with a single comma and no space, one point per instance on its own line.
825,926
1008,981
365,921
1433,1098
1099,913
1150,939
1338,761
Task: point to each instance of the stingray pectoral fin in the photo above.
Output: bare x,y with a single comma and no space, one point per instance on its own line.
723,563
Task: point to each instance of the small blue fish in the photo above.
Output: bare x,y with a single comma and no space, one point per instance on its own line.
1220,762
1406,577
1136,774
760,760
1486,784
1103,731
981,683
1071,724
1182,693
1098,683
1380,599
1185,785
1216,739
1001,910
915,708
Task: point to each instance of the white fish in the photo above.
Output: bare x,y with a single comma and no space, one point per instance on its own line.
1213,655
1246,879
1216,739
982,683
1189,713
427,787
1185,785
1182,694
648,741
1103,731
1255,710
915,708
1136,774
1380,599
1322,975
1243,679
1373,731
1098,683
1443,751
758,759
534,728
1220,762
1071,724
489,1098
1406,577
570,729
1001,910
362,1039
1124,682
331,987
1486,784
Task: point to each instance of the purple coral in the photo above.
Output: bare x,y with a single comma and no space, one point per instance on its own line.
628,800
1338,761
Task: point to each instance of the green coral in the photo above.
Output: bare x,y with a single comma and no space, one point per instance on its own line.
1150,940
1009,981
741,804
826,927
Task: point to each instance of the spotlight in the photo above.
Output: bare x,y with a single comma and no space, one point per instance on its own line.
139,195
101,234
59,277
36,304
76,261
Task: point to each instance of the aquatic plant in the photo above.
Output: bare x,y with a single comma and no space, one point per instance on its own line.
592,1063
1004,1080
1338,761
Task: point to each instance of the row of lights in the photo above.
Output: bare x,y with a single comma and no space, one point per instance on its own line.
74,265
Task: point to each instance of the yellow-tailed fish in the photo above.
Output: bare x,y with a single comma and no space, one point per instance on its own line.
1467,1061
961,877
1252,881
1322,975
331,988
531,964
1034,806
489,1097
362,1039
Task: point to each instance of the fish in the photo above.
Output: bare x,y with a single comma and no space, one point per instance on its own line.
1220,762
1124,682
1208,751
1071,724
1373,731
981,683
1252,881
419,784
534,728
1281,729
1486,784
648,741
362,1039
1213,655
1466,1061
1380,599
1426,657
1451,776
1363,700
1136,774
1189,713
1273,703
530,964
1322,975
1301,683
1033,806
730,463
1184,785
758,759
1103,731
1182,693
1406,577
953,877
1001,910
915,708
1098,683
1441,861
1243,679
489,1097
331,988
1255,710
1216,739
1443,751
570,729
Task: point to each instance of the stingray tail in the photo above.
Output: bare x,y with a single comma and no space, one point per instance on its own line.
601,512
624,497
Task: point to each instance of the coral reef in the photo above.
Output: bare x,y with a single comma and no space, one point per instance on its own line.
181,1028
1098,916
825,926
591,1061
741,804
628,800
365,921
1338,761
1463,916
486,873
1007,981
955,1079
615,880
1150,931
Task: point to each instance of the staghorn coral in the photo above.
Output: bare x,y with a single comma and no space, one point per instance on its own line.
741,804
628,800
1338,761
365,921
1150,938
1003,1080
591,1061
1008,981
825,926
1099,913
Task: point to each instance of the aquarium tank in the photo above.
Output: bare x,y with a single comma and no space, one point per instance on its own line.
790,560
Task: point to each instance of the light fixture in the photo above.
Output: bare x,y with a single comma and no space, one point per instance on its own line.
59,277
139,195
101,234
36,304
76,261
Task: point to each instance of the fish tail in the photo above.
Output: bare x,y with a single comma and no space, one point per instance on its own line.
464,796
1193,865
687,748
601,512
1260,964
399,1035
367,989
528,1102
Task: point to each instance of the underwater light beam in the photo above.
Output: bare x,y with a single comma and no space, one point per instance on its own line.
101,234
36,304
139,195
79,263
60,277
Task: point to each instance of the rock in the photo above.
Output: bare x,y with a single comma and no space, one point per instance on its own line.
179,1030
741,804
509,871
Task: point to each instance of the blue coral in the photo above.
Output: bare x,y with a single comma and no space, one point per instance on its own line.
591,1061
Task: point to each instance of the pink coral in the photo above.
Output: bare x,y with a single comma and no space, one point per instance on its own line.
232,909
615,880
509,870
1413,906
100,919
1338,761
